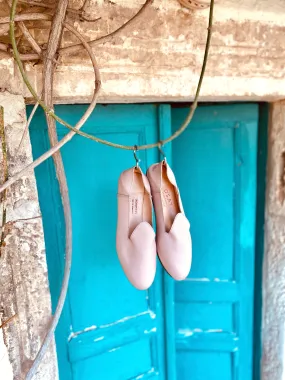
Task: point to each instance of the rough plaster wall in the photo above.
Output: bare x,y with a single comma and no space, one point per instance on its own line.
273,360
5,365
161,57
23,270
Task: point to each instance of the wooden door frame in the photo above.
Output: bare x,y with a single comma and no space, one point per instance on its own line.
165,130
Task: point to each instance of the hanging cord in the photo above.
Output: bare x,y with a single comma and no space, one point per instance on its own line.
97,139
161,151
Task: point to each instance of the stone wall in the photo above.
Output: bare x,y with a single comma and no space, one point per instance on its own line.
23,271
273,333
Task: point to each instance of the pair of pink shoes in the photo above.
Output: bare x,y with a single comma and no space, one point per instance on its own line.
136,242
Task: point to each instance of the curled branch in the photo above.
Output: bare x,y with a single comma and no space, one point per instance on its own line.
30,38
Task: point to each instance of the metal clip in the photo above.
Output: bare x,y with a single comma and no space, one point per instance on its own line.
136,157
162,152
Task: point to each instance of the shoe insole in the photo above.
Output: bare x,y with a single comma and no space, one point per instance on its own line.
140,203
169,200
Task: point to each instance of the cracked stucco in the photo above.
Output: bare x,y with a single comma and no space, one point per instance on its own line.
273,334
23,270
163,60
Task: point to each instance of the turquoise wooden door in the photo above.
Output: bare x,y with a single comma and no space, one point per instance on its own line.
199,329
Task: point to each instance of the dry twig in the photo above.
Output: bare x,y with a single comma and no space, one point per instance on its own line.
30,38
7,321
27,17
27,126
28,35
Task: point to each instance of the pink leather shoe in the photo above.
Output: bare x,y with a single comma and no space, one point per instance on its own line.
174,245
136,245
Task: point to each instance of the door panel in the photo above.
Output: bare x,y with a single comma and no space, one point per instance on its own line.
110,329
215,166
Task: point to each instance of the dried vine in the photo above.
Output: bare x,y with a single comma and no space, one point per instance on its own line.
45,100
77,47
48,75
64,191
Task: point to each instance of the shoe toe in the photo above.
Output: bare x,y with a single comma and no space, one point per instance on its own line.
176,262
138,256
175,249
